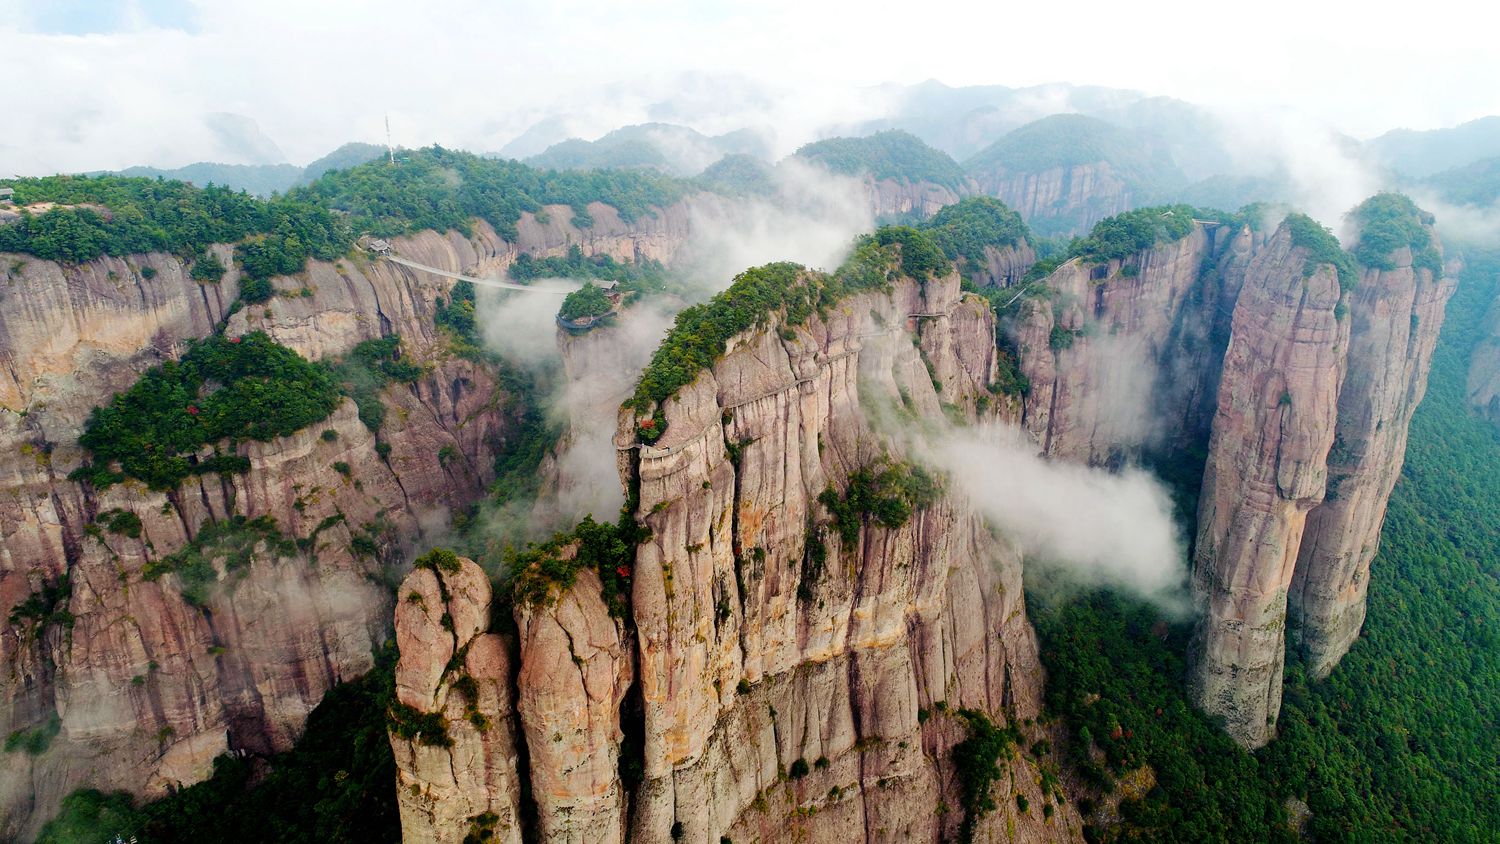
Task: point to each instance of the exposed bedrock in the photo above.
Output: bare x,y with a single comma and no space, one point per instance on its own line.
1277,410
1396,315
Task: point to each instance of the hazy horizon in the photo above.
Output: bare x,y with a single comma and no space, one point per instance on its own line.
166,83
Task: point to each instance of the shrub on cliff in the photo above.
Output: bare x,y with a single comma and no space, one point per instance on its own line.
367,369
585,302
885,491
631,276
702,332
964,229
1391,221
537,575
208,269
1123,235
976,766
232,543
246,387
1322,248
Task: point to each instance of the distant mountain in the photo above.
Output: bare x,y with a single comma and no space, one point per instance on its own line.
1421,154
962,121
892,154
673,149
1230,193
739,175
539,136
1067,140
1066,172
349,155
1476,183
1191,136
258,179
240,139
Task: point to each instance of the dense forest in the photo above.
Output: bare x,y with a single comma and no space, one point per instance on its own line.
1400,743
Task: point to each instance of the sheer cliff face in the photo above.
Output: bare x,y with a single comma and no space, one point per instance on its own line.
1117,351
931,611
144,686
1124,356
1061,200
771,691
1226,342
1395,315
892,198
452,668
1278,405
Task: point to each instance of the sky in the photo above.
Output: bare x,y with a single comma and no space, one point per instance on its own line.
93,84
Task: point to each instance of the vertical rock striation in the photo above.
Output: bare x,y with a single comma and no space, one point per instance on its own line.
459,774
765,679
1396,314
1066,199
144,685
766,644
1277,409
1101,346
576,668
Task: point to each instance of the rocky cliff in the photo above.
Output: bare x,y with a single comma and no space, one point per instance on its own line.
457,754
1395,316
140,685
905,199
1327,361
1061,200
1118,355
1278,406
1298,386
769,674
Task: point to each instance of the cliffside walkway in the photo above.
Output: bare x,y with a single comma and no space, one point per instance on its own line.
486,282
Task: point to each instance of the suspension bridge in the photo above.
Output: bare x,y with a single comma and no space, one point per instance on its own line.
483,282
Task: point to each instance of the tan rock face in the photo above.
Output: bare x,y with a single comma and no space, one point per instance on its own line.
751,656
70,337
1068,199
452,669
1005,267
900,198
1119,355
1396,317
147,687
741,660
1278,405
576,668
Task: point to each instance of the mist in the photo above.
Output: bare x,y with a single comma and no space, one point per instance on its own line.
1081,526
813,219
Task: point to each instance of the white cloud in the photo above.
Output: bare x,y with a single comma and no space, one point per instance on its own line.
473,75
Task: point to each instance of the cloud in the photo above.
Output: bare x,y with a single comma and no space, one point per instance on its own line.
813,220
314,75
1086,526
